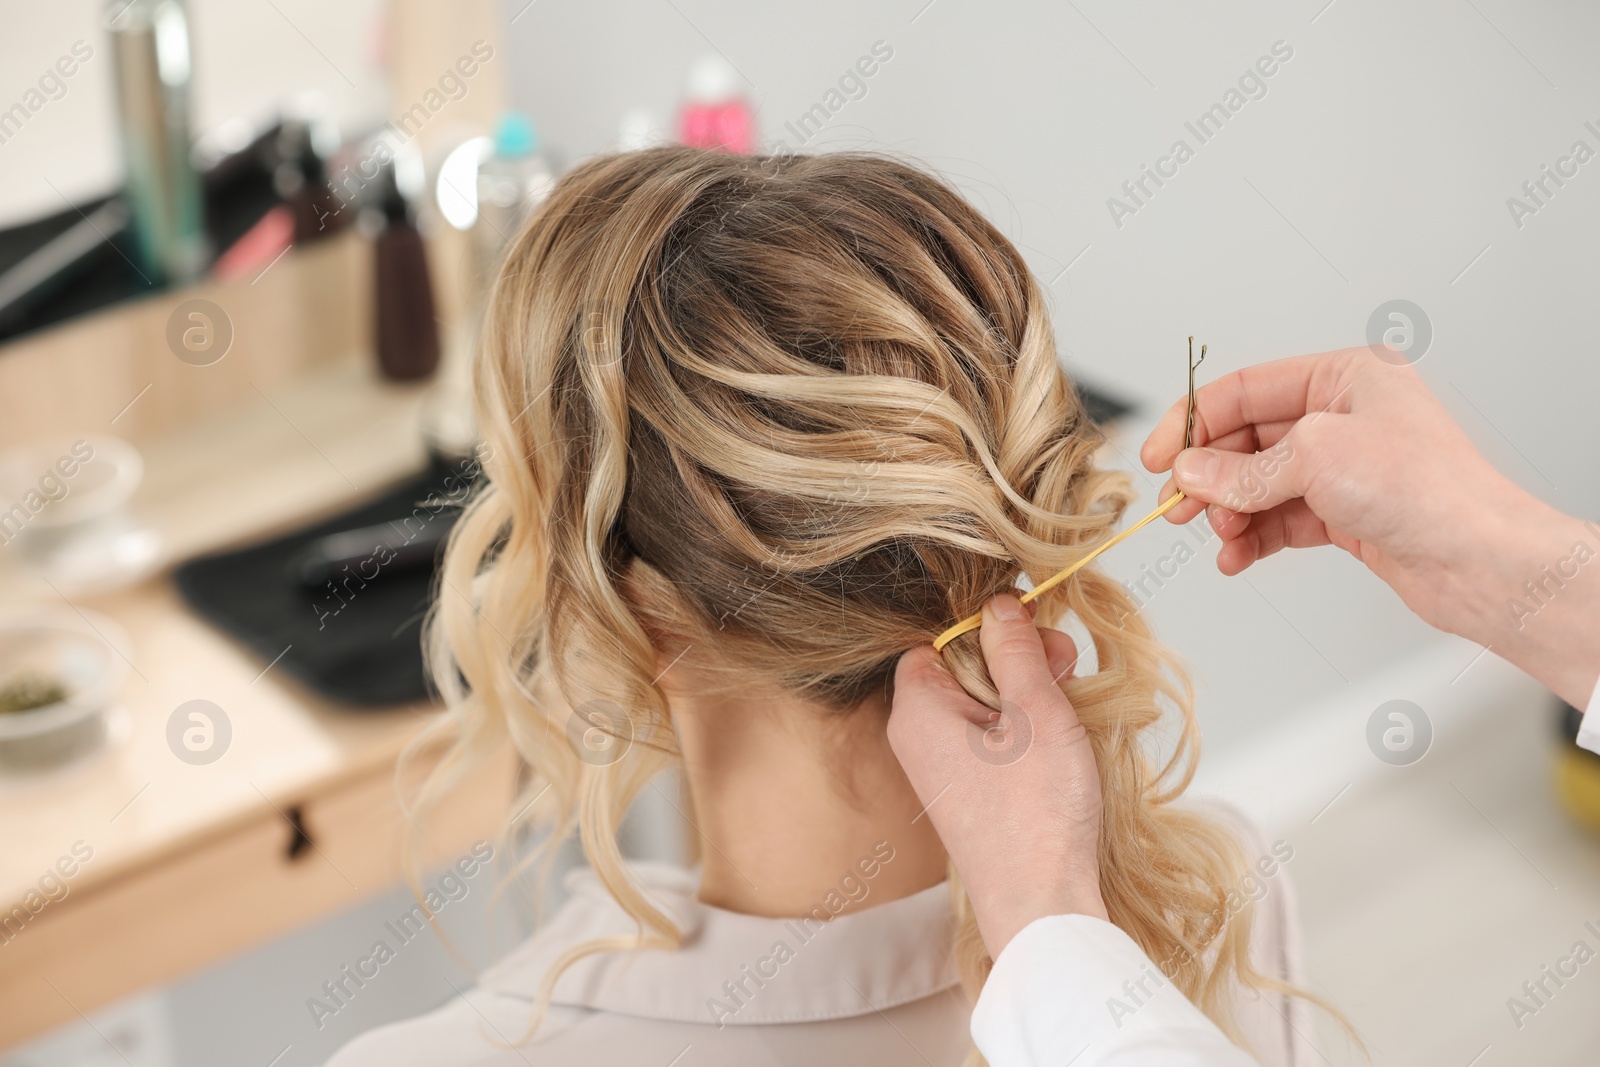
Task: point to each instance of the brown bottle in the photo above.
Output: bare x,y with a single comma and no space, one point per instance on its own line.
407,333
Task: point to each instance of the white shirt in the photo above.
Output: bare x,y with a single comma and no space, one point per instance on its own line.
1589,726
1045,1003
876,985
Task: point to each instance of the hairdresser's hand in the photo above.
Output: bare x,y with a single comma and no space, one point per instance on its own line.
1016,801
1346,449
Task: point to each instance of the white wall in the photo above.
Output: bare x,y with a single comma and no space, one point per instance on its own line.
1376,167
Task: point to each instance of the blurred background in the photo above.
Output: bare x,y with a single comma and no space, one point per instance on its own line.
243,251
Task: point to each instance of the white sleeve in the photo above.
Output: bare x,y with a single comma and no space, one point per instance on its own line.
1589,726
1074,989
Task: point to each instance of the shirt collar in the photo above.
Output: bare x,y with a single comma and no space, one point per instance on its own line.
735,969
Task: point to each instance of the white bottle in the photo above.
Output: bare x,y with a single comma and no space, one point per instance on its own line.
512,181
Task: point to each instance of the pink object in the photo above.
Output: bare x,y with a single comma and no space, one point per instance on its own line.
727,126
259,247
715,113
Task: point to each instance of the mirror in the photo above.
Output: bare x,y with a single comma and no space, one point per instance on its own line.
148,143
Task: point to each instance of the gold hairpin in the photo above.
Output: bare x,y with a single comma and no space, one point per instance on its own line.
1194,365
972,622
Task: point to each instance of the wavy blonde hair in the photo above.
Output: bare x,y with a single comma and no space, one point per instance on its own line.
806,411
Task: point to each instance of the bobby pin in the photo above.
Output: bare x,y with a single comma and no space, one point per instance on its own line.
972,622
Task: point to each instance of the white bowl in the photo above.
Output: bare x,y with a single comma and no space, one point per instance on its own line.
80,653
97,486
64,503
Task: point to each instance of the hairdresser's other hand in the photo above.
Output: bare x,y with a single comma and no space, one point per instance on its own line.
1345,448
1015,801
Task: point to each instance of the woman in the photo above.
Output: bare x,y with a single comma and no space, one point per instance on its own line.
756,427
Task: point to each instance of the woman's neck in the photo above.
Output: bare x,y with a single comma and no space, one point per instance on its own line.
795,806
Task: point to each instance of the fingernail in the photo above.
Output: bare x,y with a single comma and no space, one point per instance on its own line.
1006,606
1196,468
1059,669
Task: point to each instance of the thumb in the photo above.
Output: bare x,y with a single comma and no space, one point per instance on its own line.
1243,482
1015,653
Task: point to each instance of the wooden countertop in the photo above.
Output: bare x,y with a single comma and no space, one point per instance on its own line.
308,449
131,867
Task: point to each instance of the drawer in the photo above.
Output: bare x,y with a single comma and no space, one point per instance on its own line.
243,885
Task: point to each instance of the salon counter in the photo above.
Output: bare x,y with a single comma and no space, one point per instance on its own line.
172,866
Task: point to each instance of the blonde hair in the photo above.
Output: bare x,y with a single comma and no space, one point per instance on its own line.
807,411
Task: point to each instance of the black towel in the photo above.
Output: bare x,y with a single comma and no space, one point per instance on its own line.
357,643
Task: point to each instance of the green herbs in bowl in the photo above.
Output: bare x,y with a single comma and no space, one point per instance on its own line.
28,690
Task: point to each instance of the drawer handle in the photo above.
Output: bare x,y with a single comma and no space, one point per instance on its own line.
300,843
